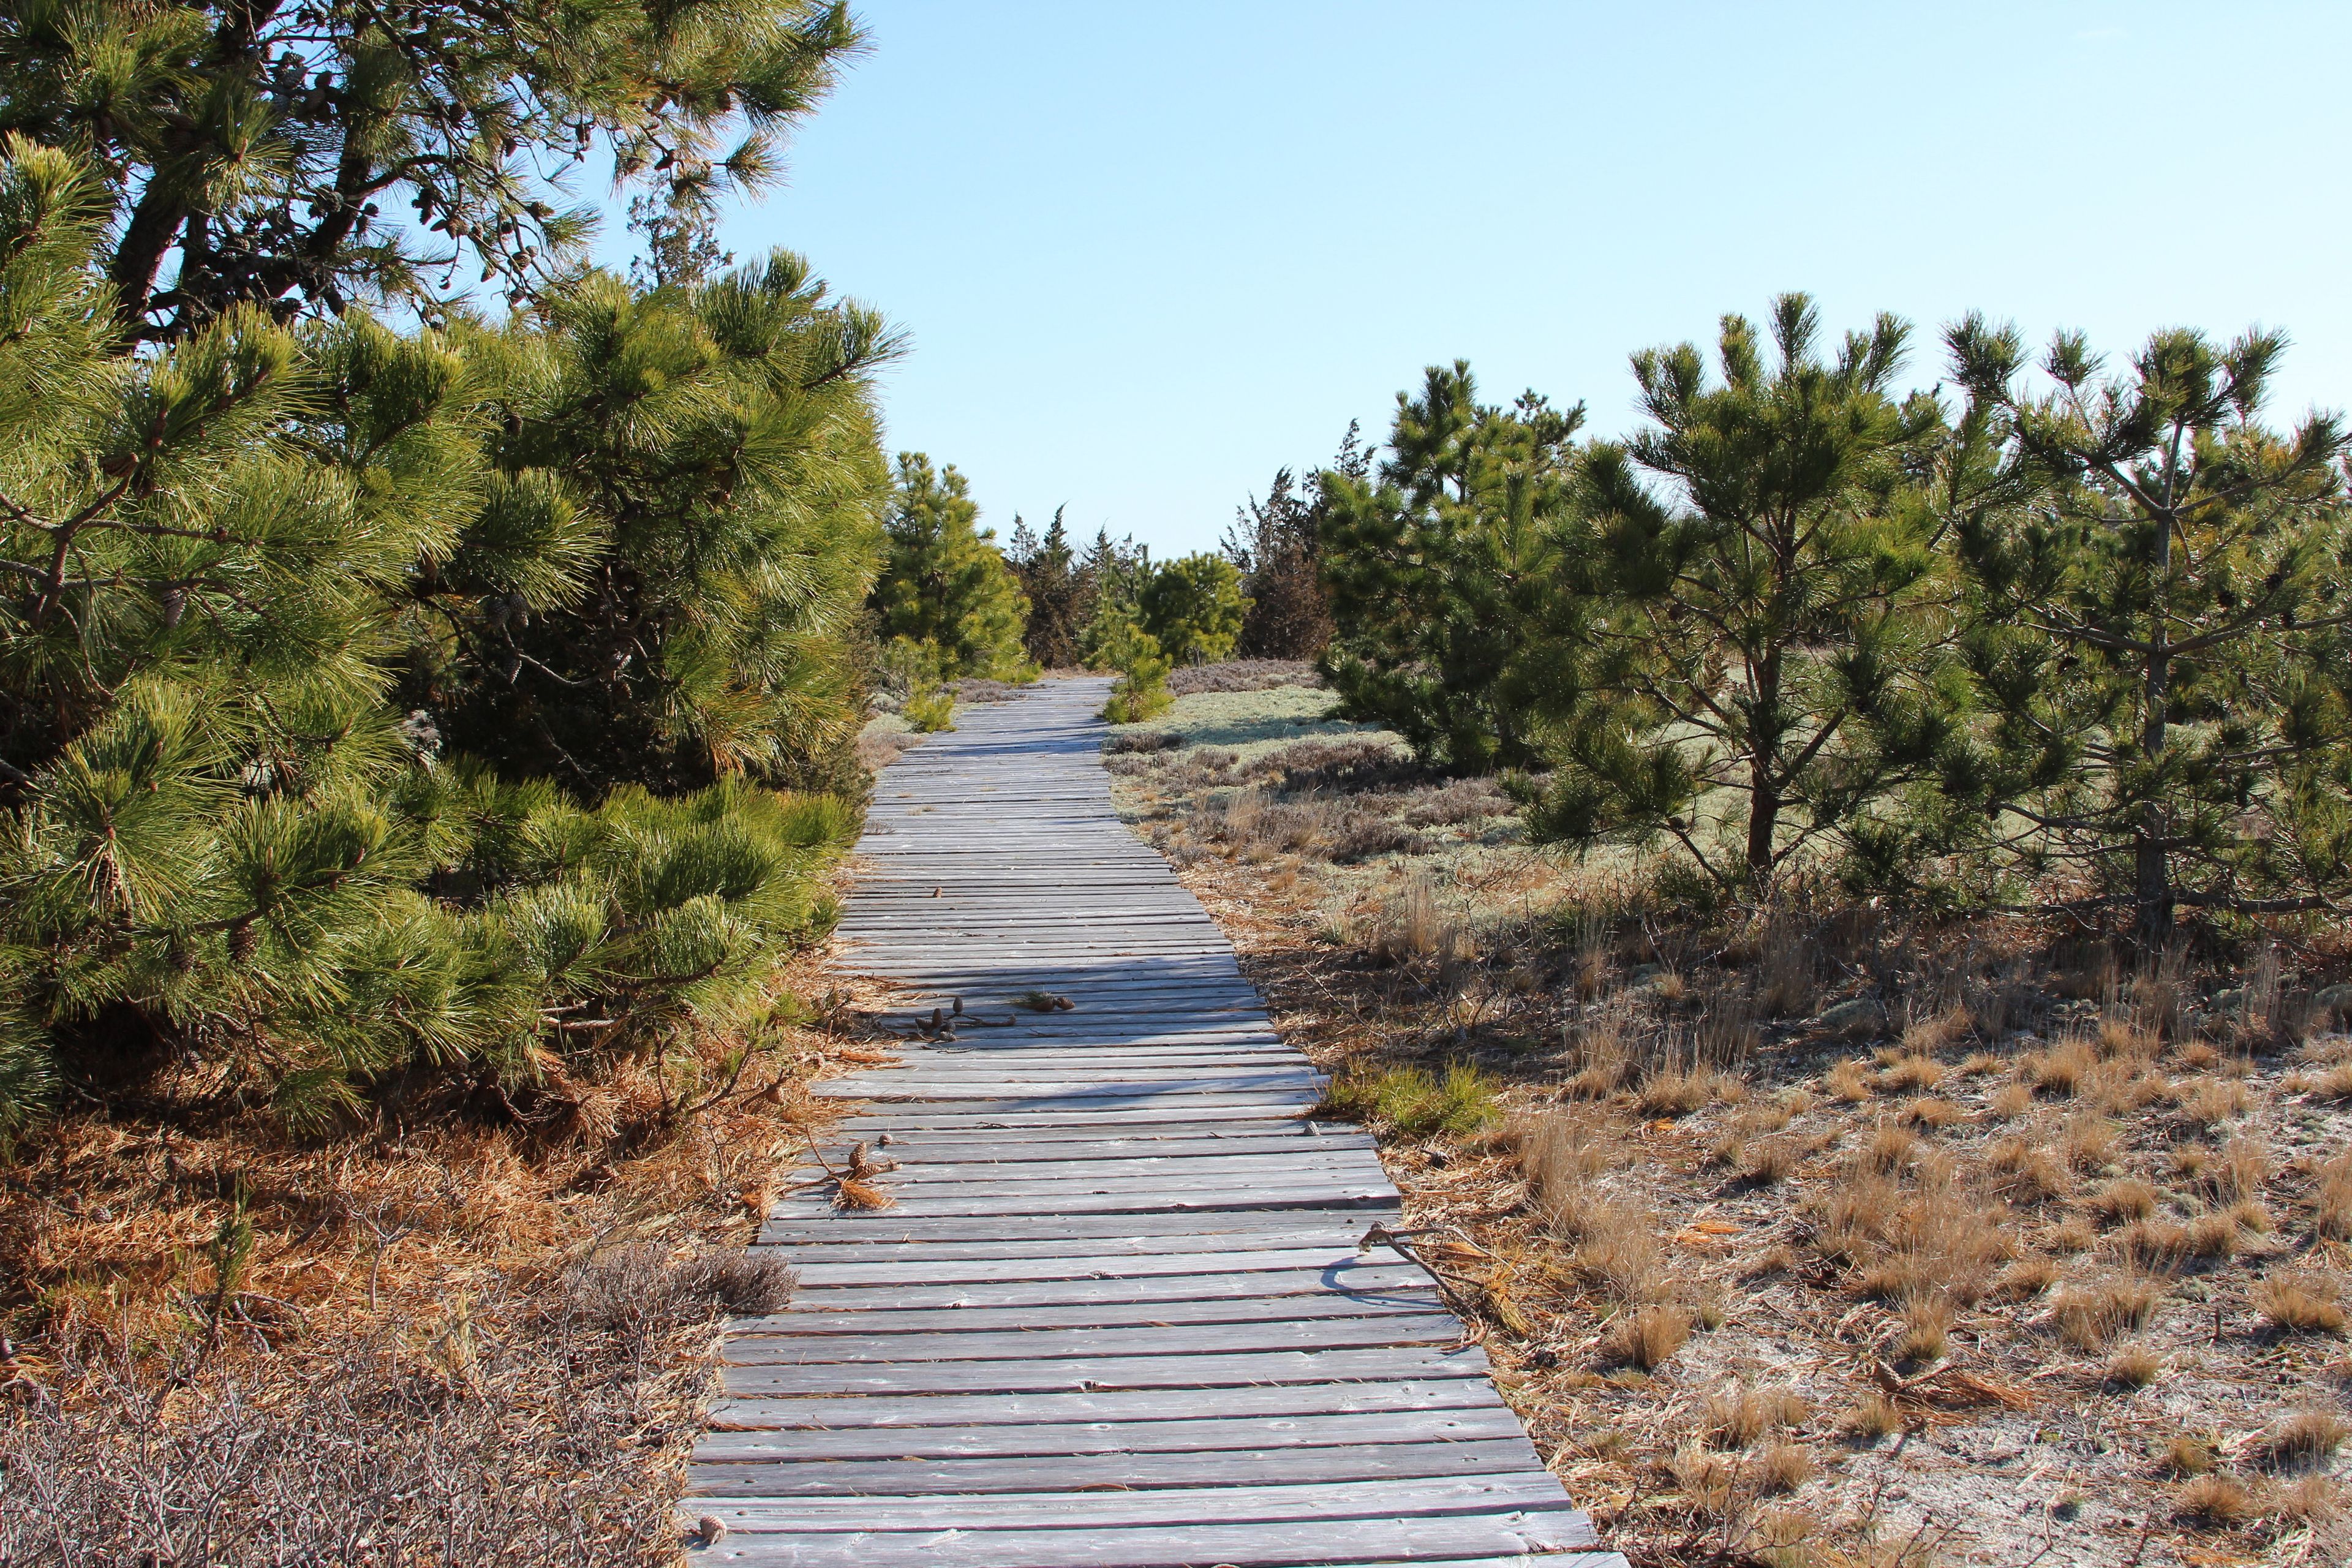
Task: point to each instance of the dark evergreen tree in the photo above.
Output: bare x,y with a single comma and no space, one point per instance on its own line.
247,150
2159,630
1051,576
1438,572
1759,647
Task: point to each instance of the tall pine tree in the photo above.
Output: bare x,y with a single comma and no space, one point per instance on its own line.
1058,591
2158,629
1756,646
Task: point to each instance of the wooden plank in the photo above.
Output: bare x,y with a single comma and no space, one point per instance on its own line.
904,1478
1424,1544
779,1344
900,1413
1049,1373
878,1323
1432,1426
1157,1285
1528,1493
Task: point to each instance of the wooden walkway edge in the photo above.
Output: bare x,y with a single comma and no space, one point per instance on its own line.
1116,1317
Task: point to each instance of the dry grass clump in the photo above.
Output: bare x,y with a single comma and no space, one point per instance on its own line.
2214,1502
2134,1366
2331,1207
2009,1102
2091,1316
2088,1143
1850,1083
1915,1071
1933,1114
1648,1337
1738,1419
2027,1173
2062,1070
2122,1199
1877,1416
2213,1101
2299,1304
1782,1468
2187,1454
2304,1440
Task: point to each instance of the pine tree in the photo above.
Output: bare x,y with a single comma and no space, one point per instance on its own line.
1756,651
1057,588
1436,573
1192,607
684,524
1276,543
223,837
247,152
2158,627
944,584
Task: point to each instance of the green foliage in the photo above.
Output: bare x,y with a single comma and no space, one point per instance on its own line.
1412,1102
1192,607
1437,573
943,581
930,711
231,827
2157,626
243,152
1761,663
1115,639
684,509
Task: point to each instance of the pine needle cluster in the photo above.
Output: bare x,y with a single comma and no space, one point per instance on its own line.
378,706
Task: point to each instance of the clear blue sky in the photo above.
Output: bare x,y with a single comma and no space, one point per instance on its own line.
1149,253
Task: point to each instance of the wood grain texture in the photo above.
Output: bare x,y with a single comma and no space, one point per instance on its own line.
1116,1315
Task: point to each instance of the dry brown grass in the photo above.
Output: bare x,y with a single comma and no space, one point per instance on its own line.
542,1428
1646,1339
1983,1265
2091,1316
1738,1419
2134,1366
2214,1502
303,1299
2306,1438
2124,1199
2299,1304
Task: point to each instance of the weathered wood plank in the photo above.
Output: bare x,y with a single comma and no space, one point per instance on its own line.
1432,1426
903,1477
1049,1373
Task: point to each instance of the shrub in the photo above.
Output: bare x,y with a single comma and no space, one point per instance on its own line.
943,580
232,833
1192,607
1434,572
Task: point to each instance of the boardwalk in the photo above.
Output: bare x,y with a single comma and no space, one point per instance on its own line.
1117,1316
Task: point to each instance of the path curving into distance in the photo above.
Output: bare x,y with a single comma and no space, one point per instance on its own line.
1116,1317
